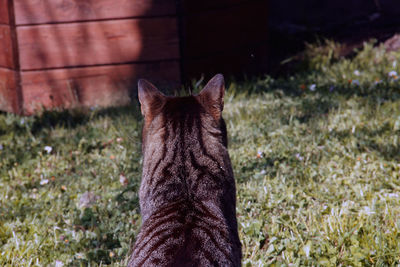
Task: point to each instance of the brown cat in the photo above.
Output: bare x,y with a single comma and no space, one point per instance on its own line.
187,194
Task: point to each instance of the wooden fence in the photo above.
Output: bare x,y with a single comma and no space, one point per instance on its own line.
70,53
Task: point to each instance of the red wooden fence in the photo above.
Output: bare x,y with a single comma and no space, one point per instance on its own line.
69,53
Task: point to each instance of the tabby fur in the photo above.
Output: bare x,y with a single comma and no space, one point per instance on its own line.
187,193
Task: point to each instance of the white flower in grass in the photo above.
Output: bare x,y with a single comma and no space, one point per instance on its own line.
312,87
59,264
357,73
44,181
299,157
307,249
48,149
393,74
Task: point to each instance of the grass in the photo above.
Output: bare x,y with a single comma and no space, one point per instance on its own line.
316,157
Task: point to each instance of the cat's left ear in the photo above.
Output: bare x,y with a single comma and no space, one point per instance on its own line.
212,96
150,98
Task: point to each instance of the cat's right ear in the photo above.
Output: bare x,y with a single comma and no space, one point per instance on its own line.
150,98
212,96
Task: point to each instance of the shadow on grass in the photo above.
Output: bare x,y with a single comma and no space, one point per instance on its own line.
70,119
74,118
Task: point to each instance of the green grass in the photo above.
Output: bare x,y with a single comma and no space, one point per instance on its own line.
318,172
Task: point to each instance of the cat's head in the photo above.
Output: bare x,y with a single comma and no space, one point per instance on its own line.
160,110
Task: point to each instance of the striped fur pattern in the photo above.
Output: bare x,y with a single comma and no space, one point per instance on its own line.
187,194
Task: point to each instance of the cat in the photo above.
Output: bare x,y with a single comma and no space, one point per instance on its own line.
187,194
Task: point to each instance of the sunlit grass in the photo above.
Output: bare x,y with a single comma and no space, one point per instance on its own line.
317,171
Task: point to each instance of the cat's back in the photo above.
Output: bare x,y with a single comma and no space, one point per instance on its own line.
185,234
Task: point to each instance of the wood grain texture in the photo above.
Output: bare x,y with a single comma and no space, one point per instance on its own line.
4,18
215,31
97,43
51,11
8,91
6,47
91,86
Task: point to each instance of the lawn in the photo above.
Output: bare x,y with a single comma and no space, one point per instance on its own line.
316,156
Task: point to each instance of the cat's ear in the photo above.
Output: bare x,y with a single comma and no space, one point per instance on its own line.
212,96
150,98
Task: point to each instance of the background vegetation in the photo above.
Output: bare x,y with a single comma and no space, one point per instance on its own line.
316,157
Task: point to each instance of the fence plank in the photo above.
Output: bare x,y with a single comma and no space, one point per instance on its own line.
6,48
51,11
91,86
4,18
8,91
97,43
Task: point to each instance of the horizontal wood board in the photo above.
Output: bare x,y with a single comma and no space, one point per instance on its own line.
6,47
97,43
91,86
56,11
8,91
4,17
